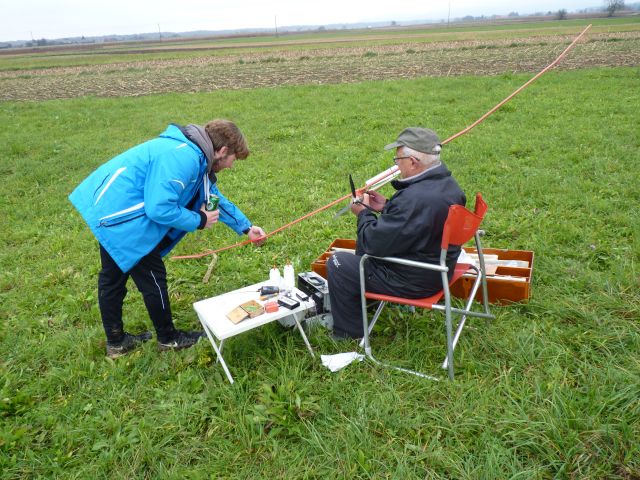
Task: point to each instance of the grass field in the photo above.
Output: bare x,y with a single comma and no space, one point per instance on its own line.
550,389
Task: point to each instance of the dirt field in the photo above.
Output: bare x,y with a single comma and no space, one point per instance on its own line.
319,66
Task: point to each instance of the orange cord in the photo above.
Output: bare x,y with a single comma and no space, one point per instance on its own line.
483,117
453,137
310,214
538,75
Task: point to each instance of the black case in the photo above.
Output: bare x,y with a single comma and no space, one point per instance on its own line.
289,303
317,288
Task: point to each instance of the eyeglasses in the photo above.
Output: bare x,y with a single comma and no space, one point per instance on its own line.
397,159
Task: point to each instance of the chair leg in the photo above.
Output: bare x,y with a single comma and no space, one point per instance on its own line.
463,319
485,290
363,301
373,321
400,369
447,312
368,327
445,363
449,347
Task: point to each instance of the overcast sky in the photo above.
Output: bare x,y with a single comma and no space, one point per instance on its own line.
26,19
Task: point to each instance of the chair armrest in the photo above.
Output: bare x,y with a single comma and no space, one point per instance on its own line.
404,261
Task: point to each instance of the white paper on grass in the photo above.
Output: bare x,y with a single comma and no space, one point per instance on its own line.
340,360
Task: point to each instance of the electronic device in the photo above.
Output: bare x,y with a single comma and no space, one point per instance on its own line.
314,295
288,302
317,288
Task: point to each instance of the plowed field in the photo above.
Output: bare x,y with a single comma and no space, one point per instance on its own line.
319,66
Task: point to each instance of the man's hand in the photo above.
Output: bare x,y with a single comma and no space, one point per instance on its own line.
356,208
374,200
257,235
212,217
371,199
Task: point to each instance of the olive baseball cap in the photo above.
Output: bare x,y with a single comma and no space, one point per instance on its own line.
420,139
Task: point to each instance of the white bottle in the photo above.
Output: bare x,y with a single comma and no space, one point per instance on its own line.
289,277
274,277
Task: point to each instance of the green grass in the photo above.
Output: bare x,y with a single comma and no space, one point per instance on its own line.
149,51
548,390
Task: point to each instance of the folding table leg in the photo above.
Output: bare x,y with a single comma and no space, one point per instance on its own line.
218,351
304,336
220,347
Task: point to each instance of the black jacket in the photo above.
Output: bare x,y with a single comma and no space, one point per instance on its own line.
410,226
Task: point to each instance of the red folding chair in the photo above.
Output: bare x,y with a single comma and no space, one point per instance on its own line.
461,225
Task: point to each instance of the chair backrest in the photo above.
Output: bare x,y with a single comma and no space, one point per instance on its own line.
481,205
462,224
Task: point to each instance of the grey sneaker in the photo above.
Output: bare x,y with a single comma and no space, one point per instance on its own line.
128,343
181,340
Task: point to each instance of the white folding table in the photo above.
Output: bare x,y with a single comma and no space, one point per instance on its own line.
212,314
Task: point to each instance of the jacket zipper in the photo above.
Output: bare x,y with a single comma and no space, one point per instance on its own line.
107,224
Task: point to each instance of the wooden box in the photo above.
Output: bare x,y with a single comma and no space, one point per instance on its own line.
319,265
507,285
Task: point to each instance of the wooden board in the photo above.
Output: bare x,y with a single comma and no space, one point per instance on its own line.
237,315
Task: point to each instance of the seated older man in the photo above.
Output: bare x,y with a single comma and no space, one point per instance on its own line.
408,225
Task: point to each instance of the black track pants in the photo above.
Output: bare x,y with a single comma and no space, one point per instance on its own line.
150,276
343,274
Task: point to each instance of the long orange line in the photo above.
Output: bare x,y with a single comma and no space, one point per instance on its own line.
483,117
453,137
538,75
277,230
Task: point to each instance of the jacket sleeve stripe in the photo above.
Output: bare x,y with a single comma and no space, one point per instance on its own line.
178,182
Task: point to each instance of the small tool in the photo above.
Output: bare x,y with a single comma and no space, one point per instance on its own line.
358,200
354,199
268,290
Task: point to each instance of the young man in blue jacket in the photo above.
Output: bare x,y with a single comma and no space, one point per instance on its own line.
141,203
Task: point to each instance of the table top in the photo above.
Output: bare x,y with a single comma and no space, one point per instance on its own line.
212,311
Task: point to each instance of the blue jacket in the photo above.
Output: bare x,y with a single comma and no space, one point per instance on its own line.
146,193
